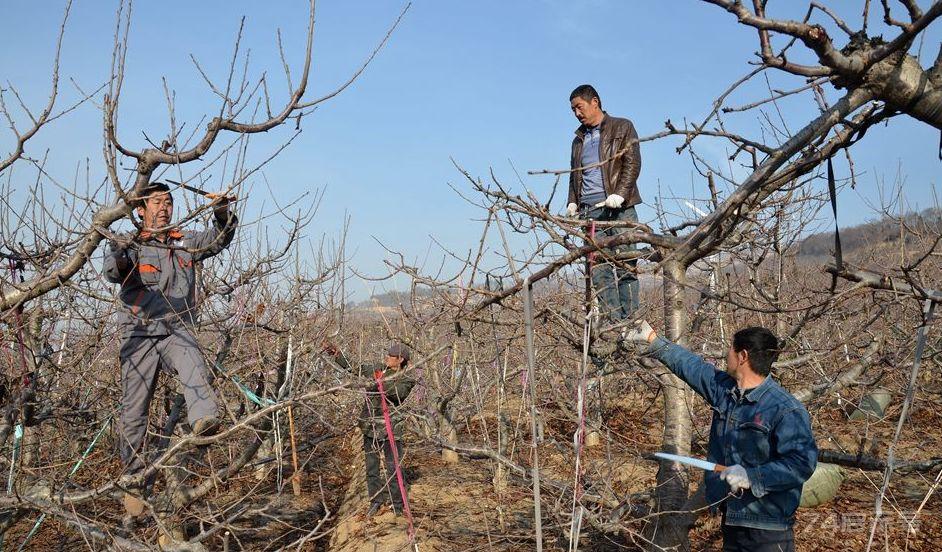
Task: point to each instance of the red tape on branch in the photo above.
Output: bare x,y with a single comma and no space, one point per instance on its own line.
589,262
378,376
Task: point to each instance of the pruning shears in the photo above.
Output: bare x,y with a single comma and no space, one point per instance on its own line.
200,191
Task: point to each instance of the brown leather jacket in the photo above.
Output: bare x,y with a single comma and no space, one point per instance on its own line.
621,156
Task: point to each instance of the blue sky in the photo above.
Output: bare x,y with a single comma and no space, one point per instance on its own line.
484,83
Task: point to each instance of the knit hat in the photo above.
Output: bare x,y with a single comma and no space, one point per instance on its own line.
398,350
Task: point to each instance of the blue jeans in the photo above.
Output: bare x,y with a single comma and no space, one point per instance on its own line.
616,288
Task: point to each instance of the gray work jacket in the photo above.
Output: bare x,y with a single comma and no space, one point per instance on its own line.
158,279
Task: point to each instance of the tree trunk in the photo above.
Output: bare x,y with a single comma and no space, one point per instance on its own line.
671,530
904,84
449,435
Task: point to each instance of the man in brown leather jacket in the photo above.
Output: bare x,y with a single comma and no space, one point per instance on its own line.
603,186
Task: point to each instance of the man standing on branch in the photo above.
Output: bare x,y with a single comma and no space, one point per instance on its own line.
158,315
603,186
759,430
373,425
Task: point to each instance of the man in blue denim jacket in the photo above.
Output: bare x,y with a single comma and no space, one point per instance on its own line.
759,430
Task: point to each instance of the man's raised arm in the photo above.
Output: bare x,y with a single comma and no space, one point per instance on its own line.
361,371
217,237
701,376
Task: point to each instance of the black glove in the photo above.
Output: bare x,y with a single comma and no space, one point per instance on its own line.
121,257
221,210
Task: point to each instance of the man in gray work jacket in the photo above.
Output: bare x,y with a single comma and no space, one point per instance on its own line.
759,431
373,425
157,315
603,186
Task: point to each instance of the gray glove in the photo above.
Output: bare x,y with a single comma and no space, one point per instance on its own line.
736,477
640,332
572,209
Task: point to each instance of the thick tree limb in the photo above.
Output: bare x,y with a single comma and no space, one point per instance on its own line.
848,375
884,282
764,179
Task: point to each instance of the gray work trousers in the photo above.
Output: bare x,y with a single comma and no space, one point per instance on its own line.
141,359
379,487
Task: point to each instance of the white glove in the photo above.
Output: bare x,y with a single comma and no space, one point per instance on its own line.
736,477
613,201
640,332
572,209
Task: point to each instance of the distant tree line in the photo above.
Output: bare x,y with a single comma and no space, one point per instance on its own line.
870,234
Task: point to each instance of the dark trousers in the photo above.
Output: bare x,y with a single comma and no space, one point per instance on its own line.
747,539
617,289
380,488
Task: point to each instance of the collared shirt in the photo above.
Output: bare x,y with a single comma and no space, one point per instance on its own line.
764,429
593,188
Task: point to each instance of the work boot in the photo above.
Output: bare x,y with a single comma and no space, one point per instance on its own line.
374,508
206,427
133,505
172,540
128,525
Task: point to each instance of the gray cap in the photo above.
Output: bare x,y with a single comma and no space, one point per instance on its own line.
398,350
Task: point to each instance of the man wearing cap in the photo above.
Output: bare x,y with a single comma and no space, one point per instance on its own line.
373,425
603,186
157,315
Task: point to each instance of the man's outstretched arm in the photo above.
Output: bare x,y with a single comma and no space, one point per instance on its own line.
360,371
217,237
700,375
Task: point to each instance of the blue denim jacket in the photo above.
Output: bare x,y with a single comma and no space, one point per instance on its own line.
767,431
